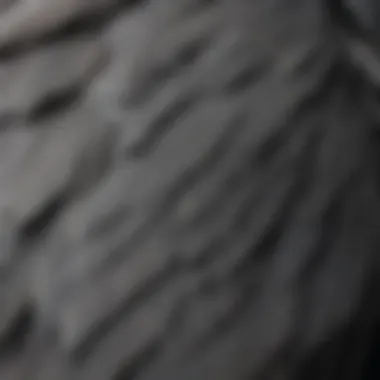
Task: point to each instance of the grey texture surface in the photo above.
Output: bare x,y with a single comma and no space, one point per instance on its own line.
188,191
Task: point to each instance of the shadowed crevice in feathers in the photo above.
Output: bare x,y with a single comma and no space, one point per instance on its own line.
196,6
109,222
161,125
344,16
151,287
151,82
138,363
206,255
42,220
87,23
246,77
227,190
330,226
54,103
34,228
84,25
305,170
66,97
220,328
16,336
307,63
311,102
211,161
